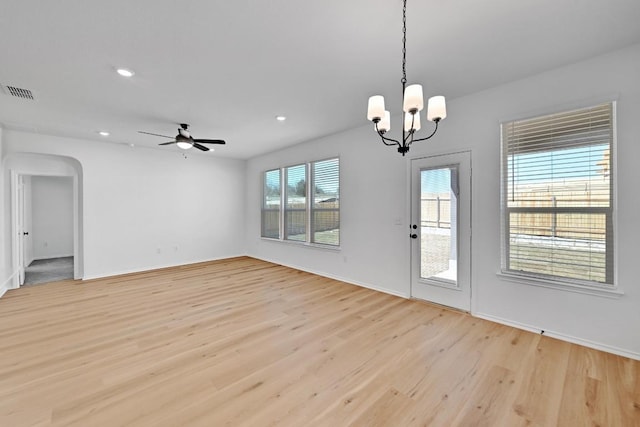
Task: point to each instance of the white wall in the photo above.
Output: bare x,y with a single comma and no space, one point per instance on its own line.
146,208
5,270
51,228
374,251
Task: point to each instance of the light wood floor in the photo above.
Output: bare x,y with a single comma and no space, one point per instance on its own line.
243,342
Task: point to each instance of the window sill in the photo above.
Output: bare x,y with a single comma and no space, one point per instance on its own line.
612,292
304,244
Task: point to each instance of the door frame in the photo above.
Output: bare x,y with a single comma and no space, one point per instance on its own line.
17,227
410,203
17,214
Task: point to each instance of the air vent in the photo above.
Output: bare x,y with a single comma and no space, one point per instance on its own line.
18,92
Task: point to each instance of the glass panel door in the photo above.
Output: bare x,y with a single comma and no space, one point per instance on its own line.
441,229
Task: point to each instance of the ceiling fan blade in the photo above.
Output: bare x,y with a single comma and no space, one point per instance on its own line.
156,134
167,143
210,141
200,147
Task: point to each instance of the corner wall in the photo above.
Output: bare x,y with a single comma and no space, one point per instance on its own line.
374,186
5,275
147,208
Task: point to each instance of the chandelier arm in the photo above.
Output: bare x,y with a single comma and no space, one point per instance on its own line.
384,138
432,133
391,141
408,137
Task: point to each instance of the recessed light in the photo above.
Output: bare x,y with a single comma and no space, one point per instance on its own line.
104,133
281,118
125,72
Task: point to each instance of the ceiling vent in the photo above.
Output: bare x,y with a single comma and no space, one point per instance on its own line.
18,92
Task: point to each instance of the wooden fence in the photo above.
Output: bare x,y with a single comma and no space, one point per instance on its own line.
325,217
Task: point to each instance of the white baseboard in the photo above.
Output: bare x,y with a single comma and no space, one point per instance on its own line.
334,277
39,258
560,336
9,283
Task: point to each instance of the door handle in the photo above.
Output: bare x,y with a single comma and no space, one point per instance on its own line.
25,233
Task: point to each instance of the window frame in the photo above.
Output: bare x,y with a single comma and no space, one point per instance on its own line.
309,209
610,288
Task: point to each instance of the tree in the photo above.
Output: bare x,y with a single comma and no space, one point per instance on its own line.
272,190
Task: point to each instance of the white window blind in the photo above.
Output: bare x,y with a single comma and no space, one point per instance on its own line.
325,206
557,196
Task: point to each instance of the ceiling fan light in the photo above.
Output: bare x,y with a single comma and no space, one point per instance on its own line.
184,145
436,108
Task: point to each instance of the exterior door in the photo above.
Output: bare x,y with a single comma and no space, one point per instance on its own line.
441,229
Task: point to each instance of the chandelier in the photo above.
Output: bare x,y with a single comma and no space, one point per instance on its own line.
412,104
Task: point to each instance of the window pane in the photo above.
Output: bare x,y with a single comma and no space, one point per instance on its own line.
325,220
326,226
438,224
296,203
271,204
568,245
296,221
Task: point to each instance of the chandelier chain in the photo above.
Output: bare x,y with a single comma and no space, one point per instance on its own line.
404,43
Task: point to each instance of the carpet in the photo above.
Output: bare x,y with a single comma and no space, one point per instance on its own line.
49,270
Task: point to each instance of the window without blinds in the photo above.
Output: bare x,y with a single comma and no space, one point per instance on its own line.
295,210
325,204
271,204
557,196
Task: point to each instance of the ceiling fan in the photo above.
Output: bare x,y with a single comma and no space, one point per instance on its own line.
184,139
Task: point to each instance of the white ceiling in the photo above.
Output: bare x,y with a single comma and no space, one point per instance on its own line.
228,68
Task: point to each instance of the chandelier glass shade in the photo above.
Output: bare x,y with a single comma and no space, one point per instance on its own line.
412,105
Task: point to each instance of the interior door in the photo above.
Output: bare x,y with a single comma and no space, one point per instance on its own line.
441,229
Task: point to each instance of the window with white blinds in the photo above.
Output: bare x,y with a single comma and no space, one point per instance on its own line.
271,204
325,206
309,194
557,196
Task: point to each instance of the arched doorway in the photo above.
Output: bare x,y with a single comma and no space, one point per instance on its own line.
19,166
